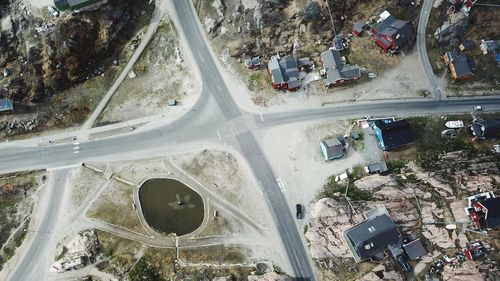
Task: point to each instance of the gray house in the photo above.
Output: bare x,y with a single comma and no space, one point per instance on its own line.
332,149
371,237
487,129
336,70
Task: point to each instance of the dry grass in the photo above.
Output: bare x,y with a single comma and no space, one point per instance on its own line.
214,254
115,206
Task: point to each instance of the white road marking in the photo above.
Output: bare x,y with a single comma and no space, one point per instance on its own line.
261,118
76,151
76,148
218,134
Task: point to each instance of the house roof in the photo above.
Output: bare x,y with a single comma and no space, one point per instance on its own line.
371,236
74,4
493,206
460,62
336,69
359,26
468,44
400,31
334,148
379,167
395,133
6,105
414,249
486,129
284,70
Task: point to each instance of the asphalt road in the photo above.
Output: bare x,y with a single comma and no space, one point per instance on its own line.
214,112
34,264
422,49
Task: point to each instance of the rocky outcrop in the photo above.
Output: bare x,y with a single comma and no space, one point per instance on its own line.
325,230
398,204
47,56
465,271
373,182
271,276
438,236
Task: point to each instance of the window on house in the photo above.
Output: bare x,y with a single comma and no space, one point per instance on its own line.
371,229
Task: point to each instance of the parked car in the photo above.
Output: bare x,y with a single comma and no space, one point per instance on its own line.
300,213
478,107
403,262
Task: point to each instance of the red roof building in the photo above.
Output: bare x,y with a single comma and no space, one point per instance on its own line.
392,34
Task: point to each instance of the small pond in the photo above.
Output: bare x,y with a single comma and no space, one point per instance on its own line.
169,206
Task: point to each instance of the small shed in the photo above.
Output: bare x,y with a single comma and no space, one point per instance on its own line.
358,28
415,249
6,105
379,167
332,149
355,135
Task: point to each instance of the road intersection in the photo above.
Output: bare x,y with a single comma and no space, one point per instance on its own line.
215,118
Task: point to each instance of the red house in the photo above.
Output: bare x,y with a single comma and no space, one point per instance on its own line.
357,29
484,210
391,34
285,73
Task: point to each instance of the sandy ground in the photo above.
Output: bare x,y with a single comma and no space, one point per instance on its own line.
160,75
40,3
301,165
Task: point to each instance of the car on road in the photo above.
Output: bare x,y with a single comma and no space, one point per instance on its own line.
300,212
478,108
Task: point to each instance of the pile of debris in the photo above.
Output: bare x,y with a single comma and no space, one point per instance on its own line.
80,251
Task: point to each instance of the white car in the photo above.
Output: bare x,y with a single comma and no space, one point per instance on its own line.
478,107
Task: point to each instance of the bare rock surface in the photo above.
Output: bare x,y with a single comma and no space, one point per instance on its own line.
438,236
374,181
270,276
466,271
326,228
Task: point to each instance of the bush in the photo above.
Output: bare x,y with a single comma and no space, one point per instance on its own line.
331,187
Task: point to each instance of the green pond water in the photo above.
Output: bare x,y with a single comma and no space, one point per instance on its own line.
169,206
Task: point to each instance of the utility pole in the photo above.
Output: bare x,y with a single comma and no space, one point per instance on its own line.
331,17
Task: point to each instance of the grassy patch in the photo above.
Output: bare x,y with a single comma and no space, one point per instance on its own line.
115,206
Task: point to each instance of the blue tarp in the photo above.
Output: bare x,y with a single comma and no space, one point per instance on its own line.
6,105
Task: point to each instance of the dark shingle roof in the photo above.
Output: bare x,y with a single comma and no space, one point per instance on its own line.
372,236
414,249
487,129
493,206
400,31
359,26
395,133
460,62
336,69
284,70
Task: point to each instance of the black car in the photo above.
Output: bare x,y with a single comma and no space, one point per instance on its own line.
300,213
403,262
